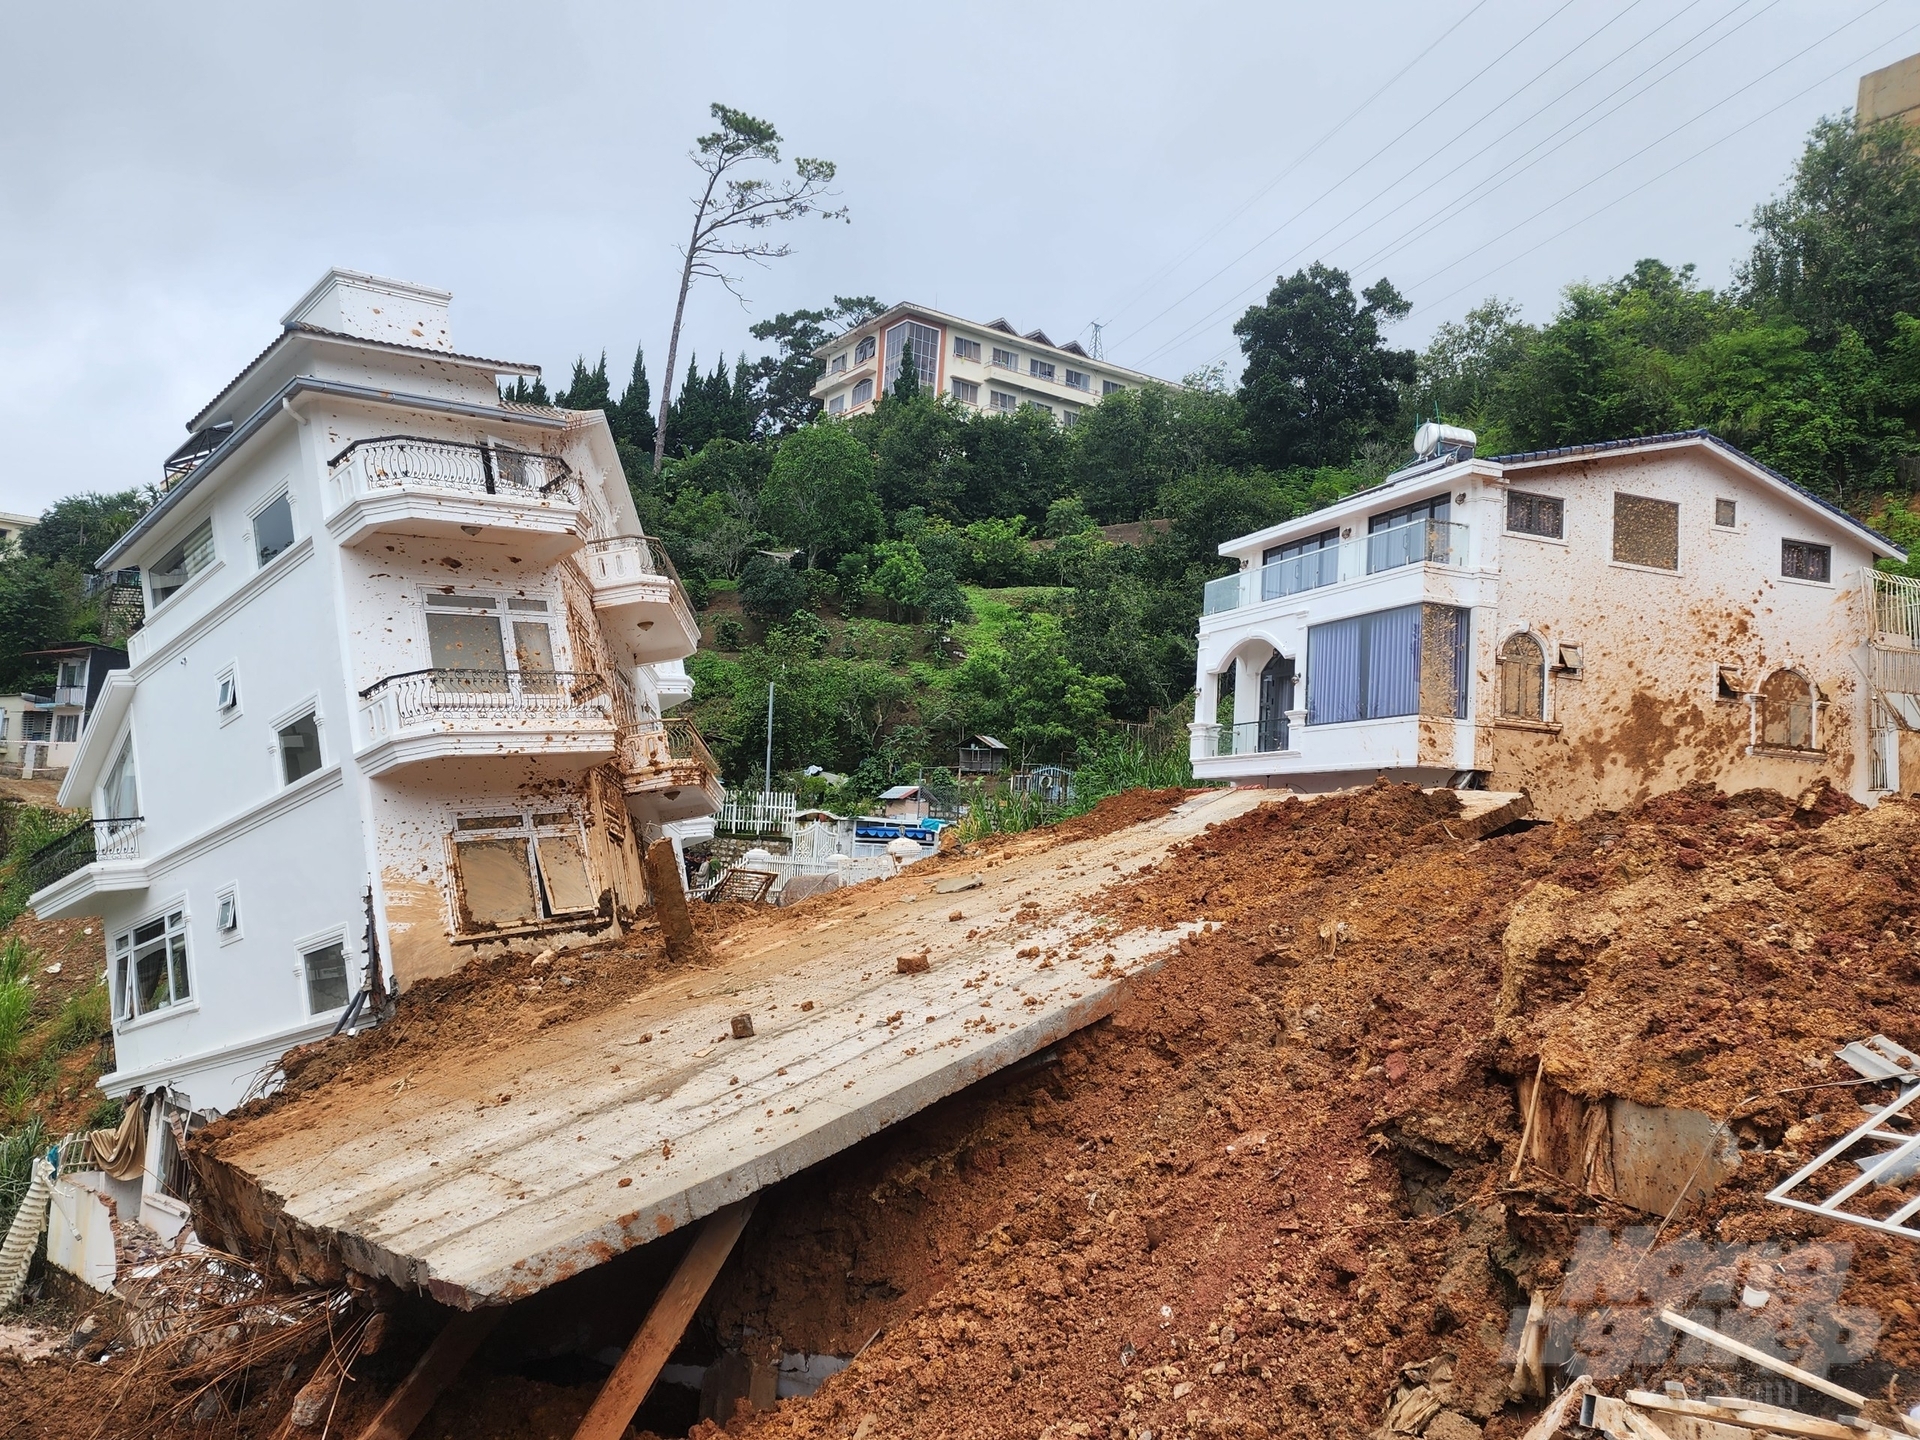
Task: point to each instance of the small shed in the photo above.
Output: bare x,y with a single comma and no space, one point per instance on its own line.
905,802
983,755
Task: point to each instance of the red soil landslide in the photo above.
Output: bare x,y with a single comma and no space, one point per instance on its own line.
1280,1173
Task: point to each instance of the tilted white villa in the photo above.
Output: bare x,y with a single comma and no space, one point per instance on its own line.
397,702
1592,625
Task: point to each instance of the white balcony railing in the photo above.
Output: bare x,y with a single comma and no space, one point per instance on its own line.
485,701
70,695
1252,737
397,462
623,559
1425,542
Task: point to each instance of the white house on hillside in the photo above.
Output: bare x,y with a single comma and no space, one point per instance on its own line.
1593,625
987,367
395,703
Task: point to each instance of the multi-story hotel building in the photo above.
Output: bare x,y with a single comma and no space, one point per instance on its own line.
988,367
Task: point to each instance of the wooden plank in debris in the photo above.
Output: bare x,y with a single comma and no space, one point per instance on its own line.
436,1369
1732,1410
640,1365
1761,1358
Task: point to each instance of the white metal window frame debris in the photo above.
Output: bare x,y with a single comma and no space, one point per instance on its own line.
1876,1060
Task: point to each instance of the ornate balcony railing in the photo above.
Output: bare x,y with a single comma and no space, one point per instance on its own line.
684,743
454,467
116,838
487,699
618,559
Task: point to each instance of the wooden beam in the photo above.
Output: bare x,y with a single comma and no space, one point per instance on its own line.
667,885
1762,1359
666,1322
436,1369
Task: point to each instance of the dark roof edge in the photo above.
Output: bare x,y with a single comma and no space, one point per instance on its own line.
1672,437
246,429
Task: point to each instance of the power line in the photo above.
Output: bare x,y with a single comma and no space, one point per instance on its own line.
1448,98
1645,71
1714,145
1424,52
1668,135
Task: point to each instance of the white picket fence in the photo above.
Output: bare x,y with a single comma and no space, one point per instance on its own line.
757,813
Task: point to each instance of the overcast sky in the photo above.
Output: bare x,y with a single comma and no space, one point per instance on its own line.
174,177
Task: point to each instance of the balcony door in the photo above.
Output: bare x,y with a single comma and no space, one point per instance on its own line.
468,635
1276,698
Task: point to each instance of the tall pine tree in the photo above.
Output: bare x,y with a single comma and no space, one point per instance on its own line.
632,415
588,390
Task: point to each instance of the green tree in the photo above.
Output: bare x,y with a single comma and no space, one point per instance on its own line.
1135,441
735,213
899,574
79,529
820,493
906,384
1026,689
920,449
35,612
632,415
1458,369
1320,380
783,381
588,390
770,590
1840,250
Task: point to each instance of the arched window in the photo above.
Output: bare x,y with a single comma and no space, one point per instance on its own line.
1523,678
1786,711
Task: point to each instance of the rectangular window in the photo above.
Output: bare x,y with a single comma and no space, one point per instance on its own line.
272,529
228,919
863,352
1040,369
965,349
1407,661
1723,513
66,729
150,967
1535,514
180,564
1005,359
326,970
1646,532
1001,400
839,365
228,694
1110,387
1069,418
836,405
73,674
1411,535
1078,380
521,870
1802,560
925,341
1300,565
1036,405
863,392
966,391
300,748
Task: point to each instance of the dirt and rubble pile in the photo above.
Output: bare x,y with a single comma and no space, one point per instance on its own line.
1278,1177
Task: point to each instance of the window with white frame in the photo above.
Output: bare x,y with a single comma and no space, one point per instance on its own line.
325,969
272,529
966,391
66,729
226,914
1001,400
863,392
226,694
1069,418
120,792
150,967
1040,369
299,744
863,352
174,569
1036,405
1005,359
1078,380
1110,387
521,868
839,365
494,641
837,405
925,341
965,349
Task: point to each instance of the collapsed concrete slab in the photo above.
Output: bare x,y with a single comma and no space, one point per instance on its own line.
482,1178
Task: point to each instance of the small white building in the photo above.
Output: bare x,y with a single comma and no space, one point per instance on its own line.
1593,625
394,704
986,367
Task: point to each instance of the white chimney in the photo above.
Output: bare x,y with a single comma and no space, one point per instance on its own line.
373,308
1433,438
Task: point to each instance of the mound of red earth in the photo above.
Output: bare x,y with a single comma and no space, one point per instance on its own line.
1279,1187
1280,1173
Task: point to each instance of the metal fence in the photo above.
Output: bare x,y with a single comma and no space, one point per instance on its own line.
115,838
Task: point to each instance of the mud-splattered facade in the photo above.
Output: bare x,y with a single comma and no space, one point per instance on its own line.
1593,625
399,701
